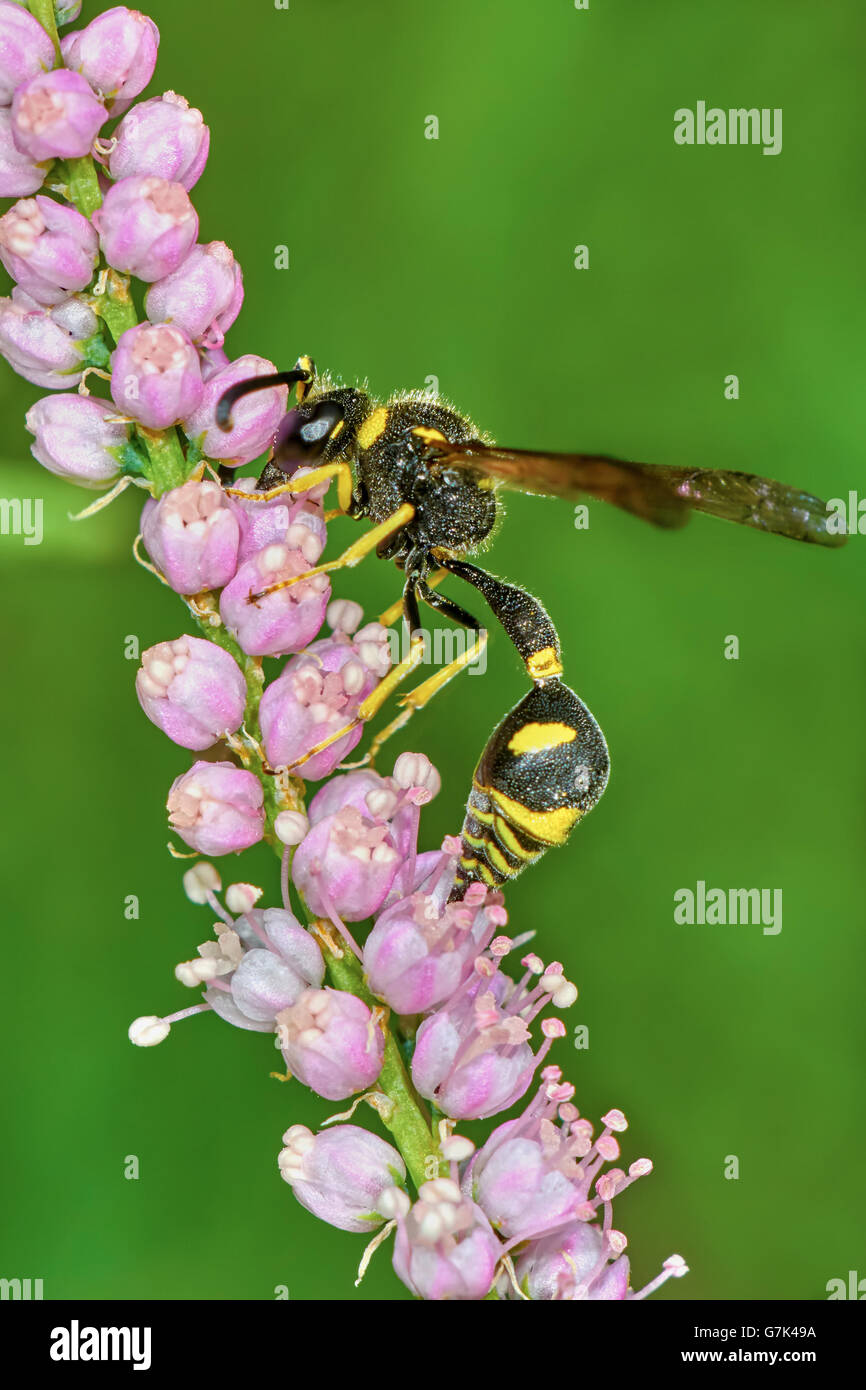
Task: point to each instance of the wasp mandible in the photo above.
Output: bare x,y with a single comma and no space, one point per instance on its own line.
429,481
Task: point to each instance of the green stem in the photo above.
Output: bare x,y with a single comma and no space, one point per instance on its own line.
167,467
43,10
405,1117
83,185
403,1112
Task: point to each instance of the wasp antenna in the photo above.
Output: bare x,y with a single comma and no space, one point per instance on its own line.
255,383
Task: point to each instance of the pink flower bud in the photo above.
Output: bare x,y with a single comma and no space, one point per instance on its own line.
254,418
316,694
378,800
423,947
25,49
155,374
46,346
267,523
19,175
471,1058
340,1174
269,961
51,250
345,866
56,115
191,534
575,1264
116,53
445,1248
526,1184
192,537
331,1042
193,690
164,136
286,620
216,808
75,438
350,789
146,226
204,297
416,775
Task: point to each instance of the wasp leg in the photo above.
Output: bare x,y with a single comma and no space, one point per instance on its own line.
353,555
341,471
397,608
416,699
524,618
370,706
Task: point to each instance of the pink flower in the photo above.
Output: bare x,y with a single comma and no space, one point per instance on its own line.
289,618
19,175
164,136
580,1262
472,1057
192,535
146,226
55,114
216,808
193,690
345,866
75,438
155,374
46,346
423,947
116,53
25,49
259,965
317,694
51,250
203,296
359,822
254,418
444,1247
331,1042
340,1174
264,523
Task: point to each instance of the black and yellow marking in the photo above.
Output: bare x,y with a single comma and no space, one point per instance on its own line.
524,618
544,767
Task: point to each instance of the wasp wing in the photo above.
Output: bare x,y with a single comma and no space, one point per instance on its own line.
657,493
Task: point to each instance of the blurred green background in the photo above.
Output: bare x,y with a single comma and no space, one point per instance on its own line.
454,257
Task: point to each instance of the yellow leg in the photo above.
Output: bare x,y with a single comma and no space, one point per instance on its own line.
416,699
391,614
375,700
341,471
355,552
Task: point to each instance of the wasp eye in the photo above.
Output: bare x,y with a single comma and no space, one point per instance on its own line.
302,438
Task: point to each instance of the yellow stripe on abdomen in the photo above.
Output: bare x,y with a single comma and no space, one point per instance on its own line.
550,827
537,738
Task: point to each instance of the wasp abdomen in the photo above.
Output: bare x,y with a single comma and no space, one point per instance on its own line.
544,767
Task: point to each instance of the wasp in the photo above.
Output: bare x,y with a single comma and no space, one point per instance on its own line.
429,482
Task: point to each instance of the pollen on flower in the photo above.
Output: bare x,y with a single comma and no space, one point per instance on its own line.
290,827
242,897
200,881
148,1030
